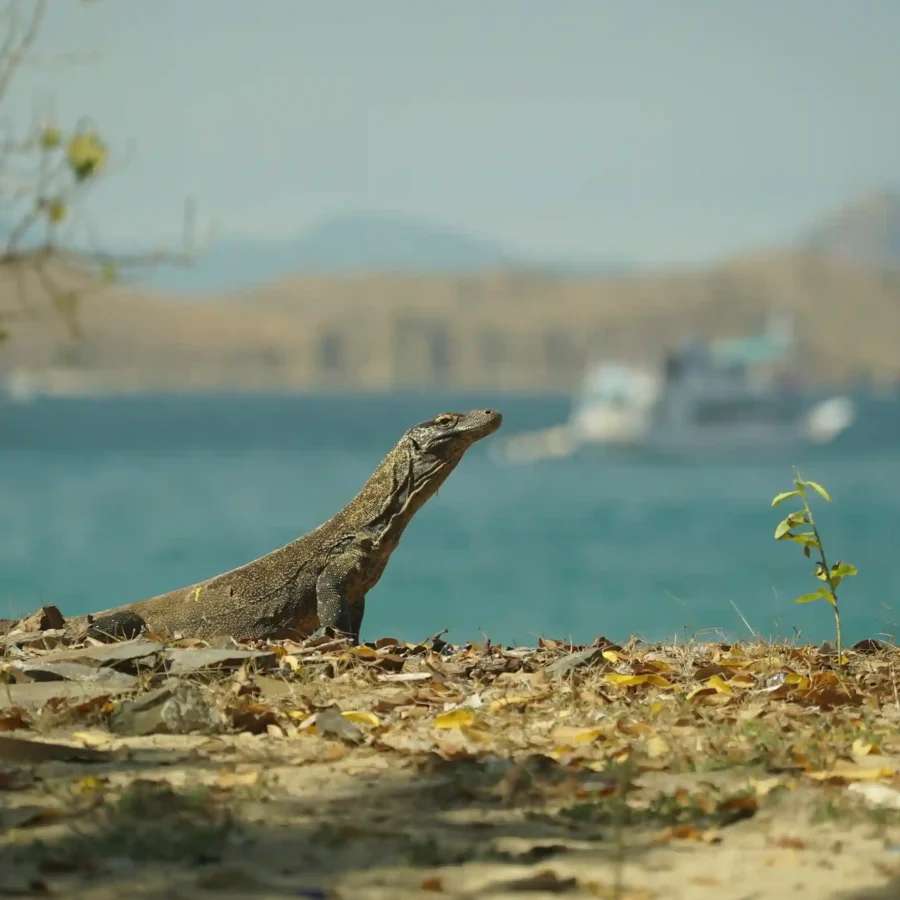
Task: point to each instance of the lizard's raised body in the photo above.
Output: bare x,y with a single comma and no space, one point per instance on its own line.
319,580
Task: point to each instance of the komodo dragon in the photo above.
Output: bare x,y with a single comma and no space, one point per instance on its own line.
319,580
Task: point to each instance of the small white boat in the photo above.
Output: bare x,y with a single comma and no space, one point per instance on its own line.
721,396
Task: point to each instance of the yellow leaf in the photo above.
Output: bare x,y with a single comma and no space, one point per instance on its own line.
861,748
86,155
718,685
764,786
699,689
610,656
364,653
625,680
732,663
88,784
228,780
51,137
511,700
456,718
570,735
657,747
659,665
742,681
848,771
478,735
659,681
360,718
92,738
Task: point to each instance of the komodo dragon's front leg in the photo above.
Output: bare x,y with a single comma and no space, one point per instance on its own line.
340,591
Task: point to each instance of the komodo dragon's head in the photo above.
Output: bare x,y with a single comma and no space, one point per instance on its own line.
446,437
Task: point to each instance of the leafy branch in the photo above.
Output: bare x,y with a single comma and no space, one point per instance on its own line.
43,179
811,540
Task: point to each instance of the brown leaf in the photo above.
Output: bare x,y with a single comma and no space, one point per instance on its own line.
390,662
47,618
686,833
791,843
387,642
14,719
252,717
546,880
742,806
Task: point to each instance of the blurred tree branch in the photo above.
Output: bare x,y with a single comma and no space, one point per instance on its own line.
43,178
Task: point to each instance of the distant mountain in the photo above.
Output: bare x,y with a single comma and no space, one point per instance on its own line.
350,243
864,230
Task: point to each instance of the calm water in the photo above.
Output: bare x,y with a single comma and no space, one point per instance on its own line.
107,501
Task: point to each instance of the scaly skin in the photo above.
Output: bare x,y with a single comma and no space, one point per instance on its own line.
319,580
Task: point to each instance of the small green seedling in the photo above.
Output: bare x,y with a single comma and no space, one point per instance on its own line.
811,541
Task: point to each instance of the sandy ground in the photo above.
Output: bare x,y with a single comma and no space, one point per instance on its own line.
700,771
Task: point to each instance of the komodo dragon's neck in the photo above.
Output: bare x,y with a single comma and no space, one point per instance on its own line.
387,502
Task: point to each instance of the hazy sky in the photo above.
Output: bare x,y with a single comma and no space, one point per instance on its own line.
654,130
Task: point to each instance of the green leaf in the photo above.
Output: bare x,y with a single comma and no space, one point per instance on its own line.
780,498
801,485
782,530
819,490
798,518
820,594
842,570
806,539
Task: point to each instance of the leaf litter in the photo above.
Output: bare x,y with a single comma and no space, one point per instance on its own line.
638,747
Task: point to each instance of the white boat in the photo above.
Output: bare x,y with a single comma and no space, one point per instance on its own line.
720,396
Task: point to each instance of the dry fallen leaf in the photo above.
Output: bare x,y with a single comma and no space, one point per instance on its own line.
687,833
361,718
568,735
456,718
862,748
228,780
789,843
844,771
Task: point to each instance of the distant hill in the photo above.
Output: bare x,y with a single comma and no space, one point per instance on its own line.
864,230
373,242
500,330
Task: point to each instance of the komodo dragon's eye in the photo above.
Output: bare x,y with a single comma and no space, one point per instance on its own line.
444,420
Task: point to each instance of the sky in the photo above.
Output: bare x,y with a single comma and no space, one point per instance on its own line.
651,131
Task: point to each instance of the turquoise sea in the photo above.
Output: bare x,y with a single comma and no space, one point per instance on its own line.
105,501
